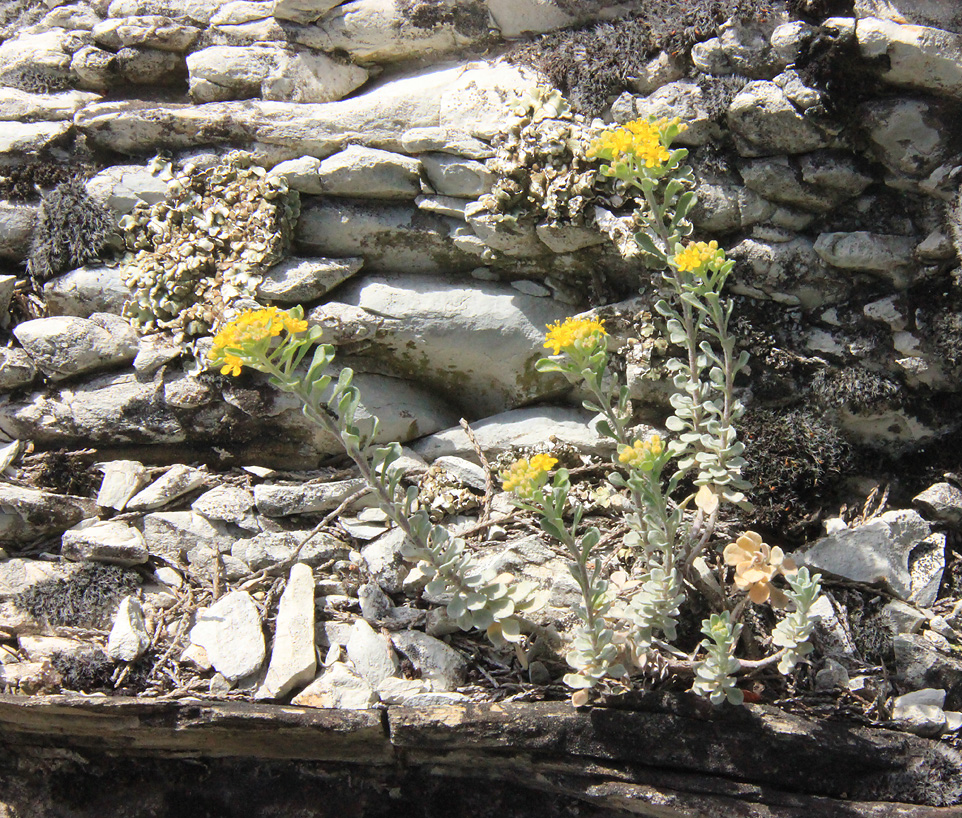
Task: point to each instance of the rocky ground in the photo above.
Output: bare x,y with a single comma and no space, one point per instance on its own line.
259,585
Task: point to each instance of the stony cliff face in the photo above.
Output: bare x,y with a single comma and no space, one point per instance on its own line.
414,174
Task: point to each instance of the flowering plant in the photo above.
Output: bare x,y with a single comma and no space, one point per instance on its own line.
669,539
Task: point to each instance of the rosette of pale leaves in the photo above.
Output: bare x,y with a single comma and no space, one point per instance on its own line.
793,631
713,675
593,655
654,608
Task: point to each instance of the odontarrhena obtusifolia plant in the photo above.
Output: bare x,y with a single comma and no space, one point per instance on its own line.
624,624
276,342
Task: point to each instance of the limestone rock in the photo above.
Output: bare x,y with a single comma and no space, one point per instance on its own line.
787,272
919,57
371,654
456,176
909,136
64,346
39,648
374,31
819,189
293,655
21,106
875,552
915,12
85,291
241,11
438,662
303,11
141,65
271,548
475,344
155,31
171,534
722,207
109,541
568,238
122,480
177,481
302,280
16,369
270,71
123,187
300,173
390,238
31,137
466,99
520,427
28,513
514,18
684,99
16,226
941,501
787,39
367,173
46,55
279,500
229,504
96,69
765,123
889,256
128,637
385,561
920,664
339,686
443,140
230,633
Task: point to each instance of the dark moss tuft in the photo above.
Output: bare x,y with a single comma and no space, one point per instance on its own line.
85,599
72,229
22,183
85,671
855,389
815,11
794,458
468,18
67,472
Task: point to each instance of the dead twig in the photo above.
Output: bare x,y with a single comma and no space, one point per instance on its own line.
488,479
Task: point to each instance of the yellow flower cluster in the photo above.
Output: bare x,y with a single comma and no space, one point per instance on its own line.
756,565
525,477
641,141
587,333
249,328
641,452
695,256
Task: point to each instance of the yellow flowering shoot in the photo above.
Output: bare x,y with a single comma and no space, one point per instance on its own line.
239,338
642,453
641,142
585,334
526,477
695,256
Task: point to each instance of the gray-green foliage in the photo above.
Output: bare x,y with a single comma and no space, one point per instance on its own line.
207,244
714,675
479,597
793,632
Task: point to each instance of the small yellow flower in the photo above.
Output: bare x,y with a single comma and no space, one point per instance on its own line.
526,477
232,365
695,256
756,564
586,334
641,453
